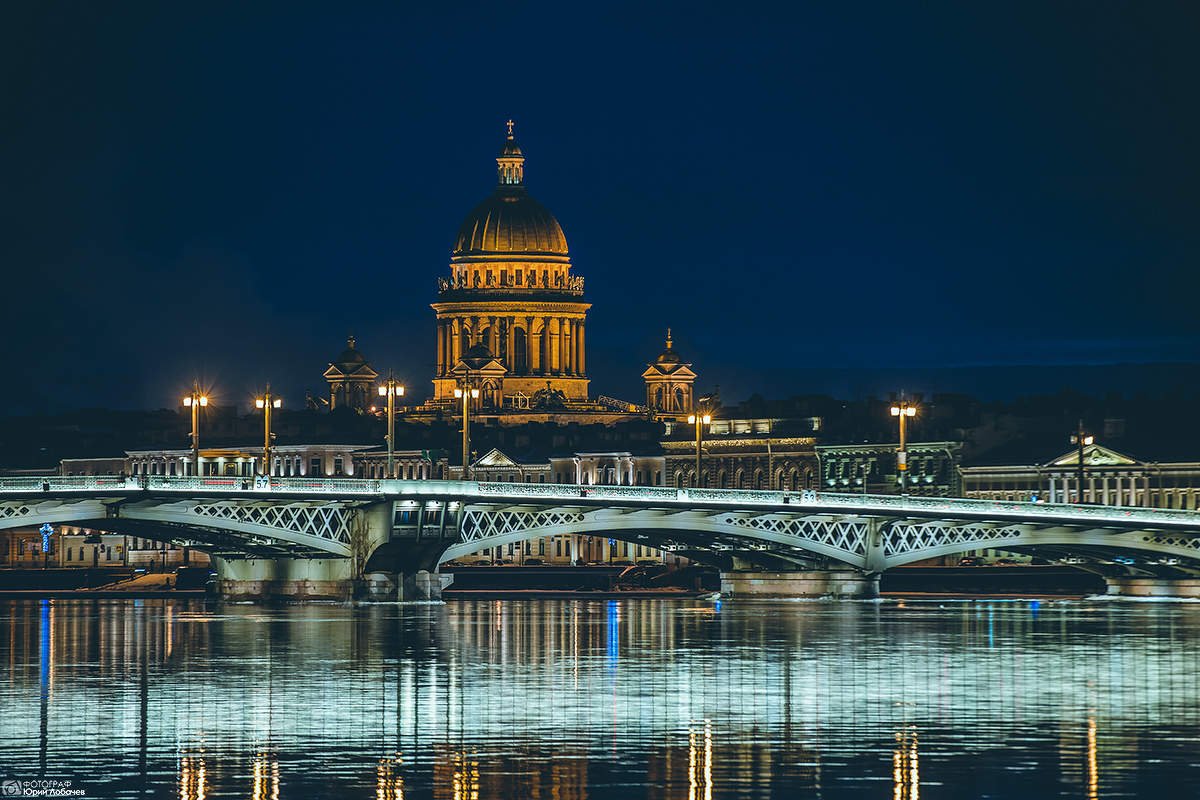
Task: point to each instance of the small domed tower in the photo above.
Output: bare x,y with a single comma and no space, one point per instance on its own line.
350,379
670,382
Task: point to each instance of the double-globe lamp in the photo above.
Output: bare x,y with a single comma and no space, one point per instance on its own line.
195,401
699,420
267,402
903,410
467,395
391,389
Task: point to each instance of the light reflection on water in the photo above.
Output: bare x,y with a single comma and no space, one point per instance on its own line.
563,700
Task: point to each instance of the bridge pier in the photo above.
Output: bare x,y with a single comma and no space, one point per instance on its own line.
1128,586
404,586
284,578
842,583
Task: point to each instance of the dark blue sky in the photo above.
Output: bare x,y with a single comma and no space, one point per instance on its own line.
226,190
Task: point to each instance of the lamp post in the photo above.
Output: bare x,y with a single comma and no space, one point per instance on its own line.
391,390
1080,439
699,420
903,410
467,394
266,403
195,401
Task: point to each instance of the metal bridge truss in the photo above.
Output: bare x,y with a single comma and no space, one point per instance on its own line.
873,544
263,527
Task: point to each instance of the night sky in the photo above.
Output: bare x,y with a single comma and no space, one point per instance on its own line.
227,190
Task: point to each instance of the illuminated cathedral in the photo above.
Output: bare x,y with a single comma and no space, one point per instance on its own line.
511,322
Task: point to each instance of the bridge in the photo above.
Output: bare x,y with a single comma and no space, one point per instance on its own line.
318,536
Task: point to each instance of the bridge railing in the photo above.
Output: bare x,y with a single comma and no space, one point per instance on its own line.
349,487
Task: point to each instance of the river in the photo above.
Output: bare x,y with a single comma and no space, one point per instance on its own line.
566,700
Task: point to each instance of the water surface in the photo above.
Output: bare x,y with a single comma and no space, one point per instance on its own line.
633,699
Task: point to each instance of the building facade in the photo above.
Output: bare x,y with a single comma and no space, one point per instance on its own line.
768,454
933,468
1109,478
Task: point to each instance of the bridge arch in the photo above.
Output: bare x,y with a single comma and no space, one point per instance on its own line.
907,543
482,529
320,526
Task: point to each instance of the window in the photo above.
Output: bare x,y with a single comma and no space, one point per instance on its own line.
314,467
339,466
541,547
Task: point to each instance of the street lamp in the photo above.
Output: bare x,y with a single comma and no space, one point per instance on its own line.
699,420
467,395
903,410
391,390
194,401
266,403
1081,439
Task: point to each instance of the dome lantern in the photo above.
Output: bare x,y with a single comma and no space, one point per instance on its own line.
510,164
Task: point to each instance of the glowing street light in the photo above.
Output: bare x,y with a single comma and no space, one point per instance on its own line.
391,389
903,410
467,395
1081,439
266,403
195,401
699,420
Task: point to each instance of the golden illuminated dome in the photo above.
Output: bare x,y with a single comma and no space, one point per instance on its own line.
510,221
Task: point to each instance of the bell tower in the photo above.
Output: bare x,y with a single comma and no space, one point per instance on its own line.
670,383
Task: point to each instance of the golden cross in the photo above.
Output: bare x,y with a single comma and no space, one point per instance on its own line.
510,128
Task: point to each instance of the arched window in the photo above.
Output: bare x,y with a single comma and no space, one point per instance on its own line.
759,479
658,398
722,480
518,358
679,404
679,479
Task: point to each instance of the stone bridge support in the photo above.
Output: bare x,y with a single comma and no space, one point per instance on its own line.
262,579
1148,586
393,557
848,583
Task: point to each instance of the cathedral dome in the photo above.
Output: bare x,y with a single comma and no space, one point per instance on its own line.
669,356
510,222
351,355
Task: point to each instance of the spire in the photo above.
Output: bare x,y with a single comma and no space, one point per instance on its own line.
669,342
350,342
510,165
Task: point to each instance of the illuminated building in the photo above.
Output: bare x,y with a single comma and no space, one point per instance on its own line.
932,468
511,318
1110,478
669,382
777,454
351,379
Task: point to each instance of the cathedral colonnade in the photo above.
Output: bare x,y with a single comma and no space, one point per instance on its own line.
528,344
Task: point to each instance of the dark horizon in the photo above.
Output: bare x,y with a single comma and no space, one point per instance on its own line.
812,199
